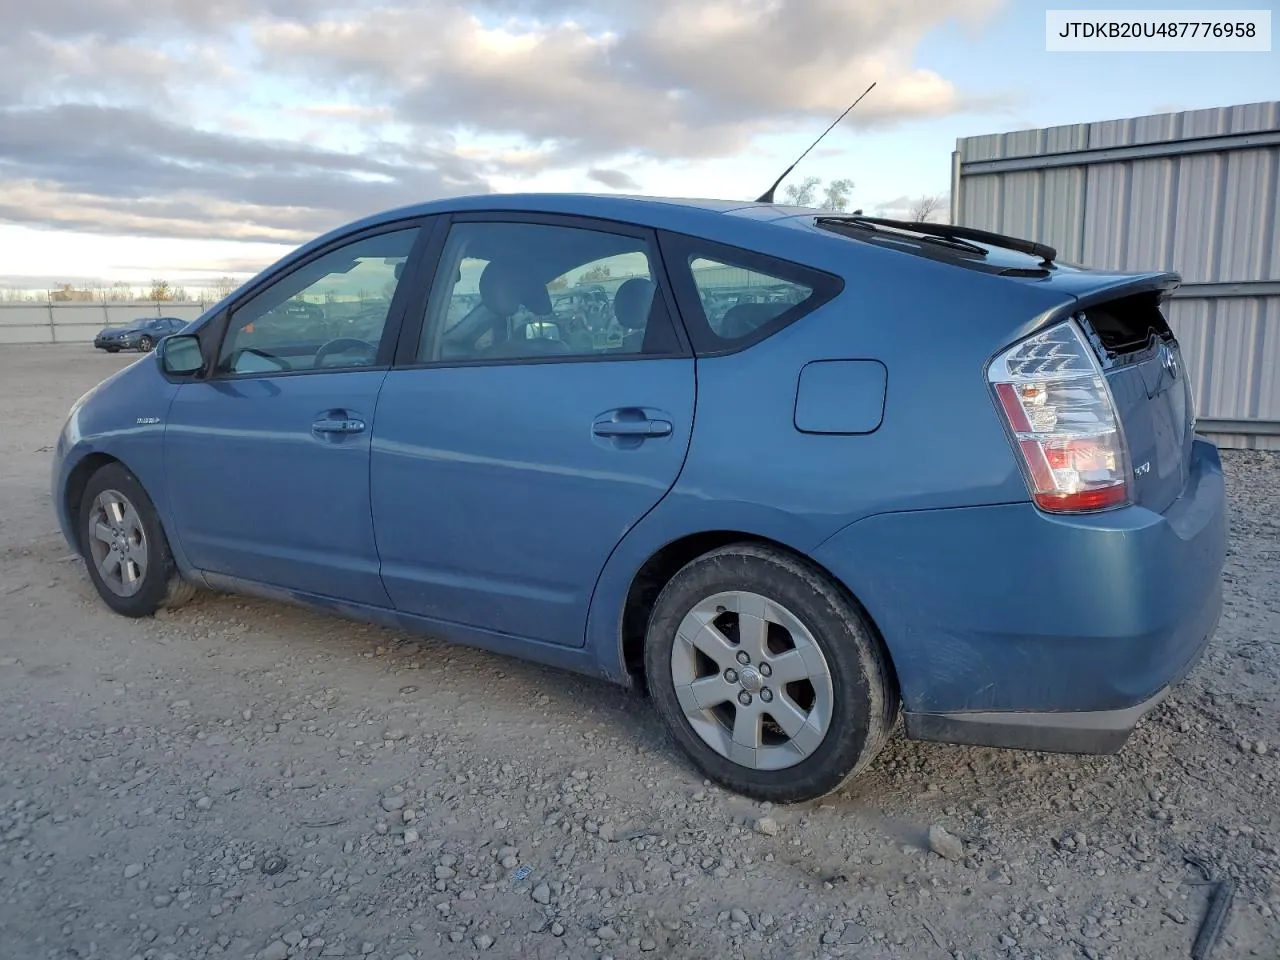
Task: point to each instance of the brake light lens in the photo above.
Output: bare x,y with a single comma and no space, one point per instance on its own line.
1063,422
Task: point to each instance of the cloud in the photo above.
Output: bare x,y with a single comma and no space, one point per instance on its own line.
126,18
274,119
615,179
665,78
218,266
345,111
119,170
30,281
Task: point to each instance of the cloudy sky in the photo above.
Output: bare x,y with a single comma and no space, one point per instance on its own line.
192,138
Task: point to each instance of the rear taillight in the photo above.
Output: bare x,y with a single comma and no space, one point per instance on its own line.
1063,422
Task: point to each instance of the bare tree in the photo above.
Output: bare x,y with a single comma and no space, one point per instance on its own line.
836,197
160,290
924,208
803,194
223,287
595,274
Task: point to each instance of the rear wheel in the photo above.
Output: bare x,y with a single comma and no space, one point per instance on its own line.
125,549
768,675
145,344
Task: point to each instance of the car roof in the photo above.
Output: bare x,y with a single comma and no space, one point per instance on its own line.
680,214
742,223
725,220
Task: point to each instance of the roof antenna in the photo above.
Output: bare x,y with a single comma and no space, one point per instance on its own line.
767,196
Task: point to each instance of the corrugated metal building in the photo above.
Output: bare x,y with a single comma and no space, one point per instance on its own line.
1196,192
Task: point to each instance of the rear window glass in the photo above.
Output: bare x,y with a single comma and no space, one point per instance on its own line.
738,301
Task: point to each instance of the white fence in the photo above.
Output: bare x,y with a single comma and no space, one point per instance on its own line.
74,322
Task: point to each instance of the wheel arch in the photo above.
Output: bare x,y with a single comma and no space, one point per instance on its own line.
78,480
663,564
74,487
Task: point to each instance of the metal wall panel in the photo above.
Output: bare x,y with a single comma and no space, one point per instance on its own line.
1199,222
26,333
24,314
1174,200
184,311
79,322
120,314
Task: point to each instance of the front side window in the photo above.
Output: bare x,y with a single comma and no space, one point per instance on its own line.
328,314
510,291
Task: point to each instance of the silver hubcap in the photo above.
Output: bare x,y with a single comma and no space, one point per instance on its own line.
117,543
752,681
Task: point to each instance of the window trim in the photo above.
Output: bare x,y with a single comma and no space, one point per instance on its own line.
414,325
221,324
682,249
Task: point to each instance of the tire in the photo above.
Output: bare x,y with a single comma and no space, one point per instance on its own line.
849,693
142,577
145,344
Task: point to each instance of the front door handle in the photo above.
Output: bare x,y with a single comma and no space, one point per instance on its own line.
632,428
335,425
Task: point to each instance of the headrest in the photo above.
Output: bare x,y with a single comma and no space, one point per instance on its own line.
743,318
499,290
536,298
504,289
399,269
632,301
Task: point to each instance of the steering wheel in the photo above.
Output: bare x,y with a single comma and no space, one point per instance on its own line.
342,344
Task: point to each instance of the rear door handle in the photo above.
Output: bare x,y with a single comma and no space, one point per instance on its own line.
328,425
631,428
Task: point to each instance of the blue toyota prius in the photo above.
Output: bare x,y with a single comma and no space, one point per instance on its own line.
791,471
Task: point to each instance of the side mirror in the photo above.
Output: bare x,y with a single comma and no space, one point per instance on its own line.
180,355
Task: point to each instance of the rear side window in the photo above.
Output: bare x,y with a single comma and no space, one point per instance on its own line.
732,298
738,301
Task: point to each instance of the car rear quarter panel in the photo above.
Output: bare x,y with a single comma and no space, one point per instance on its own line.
1005,608
940,443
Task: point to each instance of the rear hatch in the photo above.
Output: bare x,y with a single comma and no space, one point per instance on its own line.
1121,315
1142,362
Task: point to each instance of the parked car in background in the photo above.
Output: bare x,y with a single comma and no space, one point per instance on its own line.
141,335
918,466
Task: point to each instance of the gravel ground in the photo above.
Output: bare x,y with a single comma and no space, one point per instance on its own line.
246,780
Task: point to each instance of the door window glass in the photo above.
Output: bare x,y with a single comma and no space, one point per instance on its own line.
510,291
328,314
737,301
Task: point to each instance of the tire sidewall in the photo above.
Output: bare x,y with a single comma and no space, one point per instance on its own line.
838,627
160,565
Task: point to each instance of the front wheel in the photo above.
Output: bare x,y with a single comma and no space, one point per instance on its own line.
768,675
145,344
125,548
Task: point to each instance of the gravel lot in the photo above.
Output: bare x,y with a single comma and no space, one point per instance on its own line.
243,779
